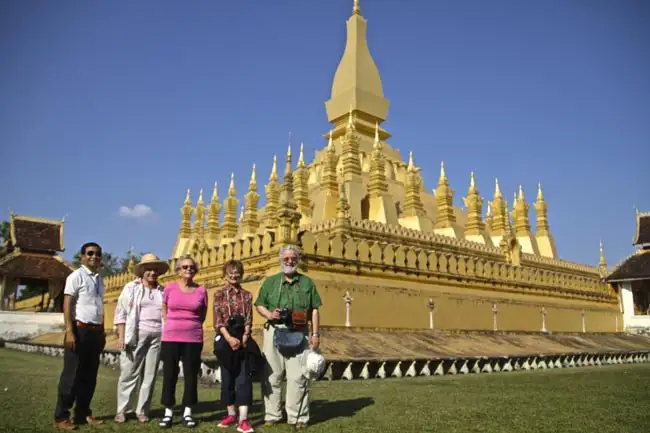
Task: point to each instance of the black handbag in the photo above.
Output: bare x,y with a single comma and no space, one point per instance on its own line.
288,341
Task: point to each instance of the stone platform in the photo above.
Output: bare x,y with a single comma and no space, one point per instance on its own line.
357,353
361,344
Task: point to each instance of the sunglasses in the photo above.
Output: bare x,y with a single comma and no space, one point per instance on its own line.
188,268
93,254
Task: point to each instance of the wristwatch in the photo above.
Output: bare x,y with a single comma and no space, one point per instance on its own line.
315,334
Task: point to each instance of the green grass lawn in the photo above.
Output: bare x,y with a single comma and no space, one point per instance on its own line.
594,399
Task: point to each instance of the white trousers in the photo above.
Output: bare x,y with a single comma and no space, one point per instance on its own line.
277,367
138,366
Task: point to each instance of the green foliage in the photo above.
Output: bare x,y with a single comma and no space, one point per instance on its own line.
111,264
4,235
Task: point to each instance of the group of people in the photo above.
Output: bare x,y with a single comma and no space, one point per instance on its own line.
156,323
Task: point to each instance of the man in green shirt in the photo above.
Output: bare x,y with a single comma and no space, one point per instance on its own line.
291,290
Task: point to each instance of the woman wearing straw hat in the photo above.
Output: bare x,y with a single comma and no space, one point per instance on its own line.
138,319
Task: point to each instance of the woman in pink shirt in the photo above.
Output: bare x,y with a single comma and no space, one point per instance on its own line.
184,306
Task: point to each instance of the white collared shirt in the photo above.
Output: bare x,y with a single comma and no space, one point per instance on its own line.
87,290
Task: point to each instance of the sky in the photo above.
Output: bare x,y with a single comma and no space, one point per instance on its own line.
110,111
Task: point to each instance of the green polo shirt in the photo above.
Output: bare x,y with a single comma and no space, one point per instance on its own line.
298,294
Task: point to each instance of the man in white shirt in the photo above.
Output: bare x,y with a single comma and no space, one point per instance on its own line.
85,339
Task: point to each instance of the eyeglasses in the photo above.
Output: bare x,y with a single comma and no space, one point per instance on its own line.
233,275
188,268
92,253
290,260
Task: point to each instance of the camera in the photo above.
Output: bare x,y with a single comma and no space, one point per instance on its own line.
285,316
236,321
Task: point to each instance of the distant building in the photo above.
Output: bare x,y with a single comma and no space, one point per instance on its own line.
631,279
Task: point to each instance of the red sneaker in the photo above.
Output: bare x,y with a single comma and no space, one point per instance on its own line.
245,427
228,421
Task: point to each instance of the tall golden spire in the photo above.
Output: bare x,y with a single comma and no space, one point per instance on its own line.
522,223
488,216
300,186
541,208
381,207
545,241
474,204
357,78
412,200
186,217
213,217
342,210
289,218
199,220
250,221
444,201
377,186
500,220
230,204
602,263
272,198
350,151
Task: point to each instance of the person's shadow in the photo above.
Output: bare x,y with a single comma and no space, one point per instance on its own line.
324,410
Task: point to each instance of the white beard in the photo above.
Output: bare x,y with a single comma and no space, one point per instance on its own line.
289,270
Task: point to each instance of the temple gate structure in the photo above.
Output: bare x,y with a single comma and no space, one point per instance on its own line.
31,259
631,279
370,229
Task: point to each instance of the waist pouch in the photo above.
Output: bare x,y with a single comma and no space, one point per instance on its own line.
299,319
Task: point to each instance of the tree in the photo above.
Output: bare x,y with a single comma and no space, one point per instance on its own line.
111,264
4,236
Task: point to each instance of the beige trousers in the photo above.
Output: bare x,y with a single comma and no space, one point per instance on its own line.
138,366
277,367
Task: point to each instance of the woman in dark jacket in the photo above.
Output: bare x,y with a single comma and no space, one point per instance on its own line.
233,319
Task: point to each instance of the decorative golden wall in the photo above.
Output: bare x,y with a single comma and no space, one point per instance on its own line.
391,285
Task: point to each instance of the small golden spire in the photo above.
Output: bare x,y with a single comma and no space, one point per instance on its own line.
215,192
330,143
356,9
274,169
521,193
472,182
411,166
377,144
287,167
200,200
301,156
497,189
253,181
443,175
350,125
514,200
231,188
242,212
540,194
188,201
602,264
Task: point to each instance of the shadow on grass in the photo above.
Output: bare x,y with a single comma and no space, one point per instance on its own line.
324,410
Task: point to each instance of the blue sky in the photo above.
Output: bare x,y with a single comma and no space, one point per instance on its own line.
110,104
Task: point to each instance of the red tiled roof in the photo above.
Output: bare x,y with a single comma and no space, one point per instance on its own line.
39,266
36,234
642,229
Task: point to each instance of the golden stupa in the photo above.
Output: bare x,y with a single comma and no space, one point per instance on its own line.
369,228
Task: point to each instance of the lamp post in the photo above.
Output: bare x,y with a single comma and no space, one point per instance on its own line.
543,312
431,306
348,302
495,311
584,323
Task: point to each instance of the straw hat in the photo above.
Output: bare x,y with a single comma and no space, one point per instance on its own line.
150,261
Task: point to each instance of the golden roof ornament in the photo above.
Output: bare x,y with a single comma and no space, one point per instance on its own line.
356,9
